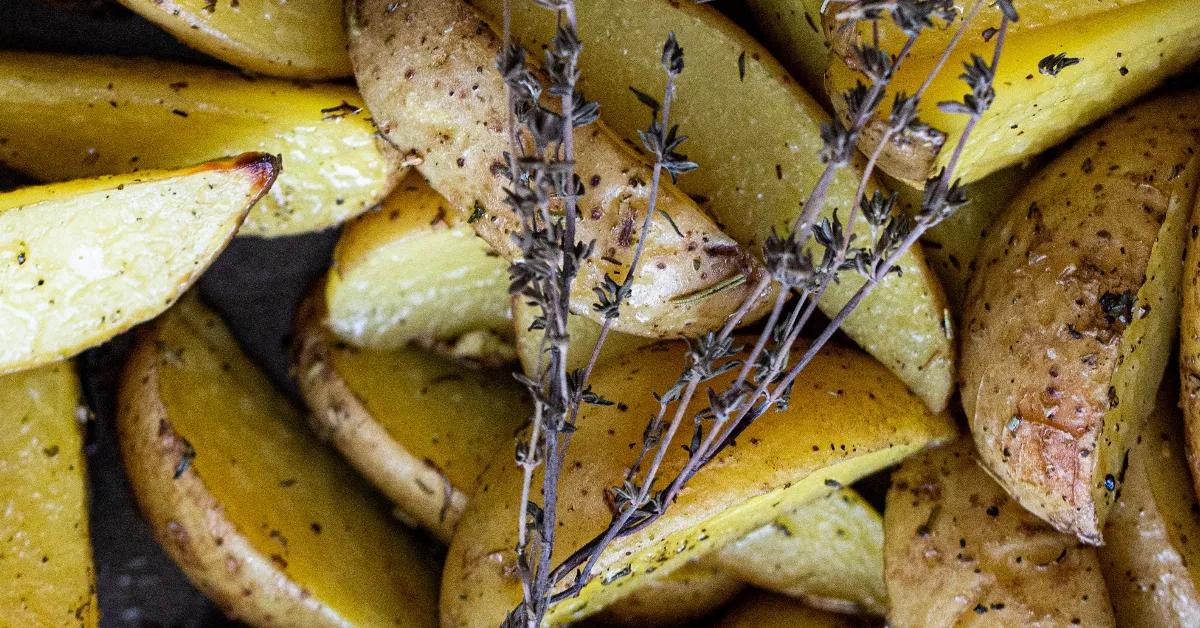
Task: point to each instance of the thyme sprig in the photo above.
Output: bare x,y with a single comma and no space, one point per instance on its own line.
765,373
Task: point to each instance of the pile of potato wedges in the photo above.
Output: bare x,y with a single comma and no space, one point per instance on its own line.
1006,432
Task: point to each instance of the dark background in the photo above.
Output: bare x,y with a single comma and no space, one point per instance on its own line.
255,285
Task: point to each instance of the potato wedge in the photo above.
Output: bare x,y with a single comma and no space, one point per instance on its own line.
449,111
114,115
418,426
1124,49
45,554
951,245
1072,310
294,39
782,460
411,272
263,519
1150,558
960,552
760,609
690,594
86,260
756,170
584,333
792,30
828,552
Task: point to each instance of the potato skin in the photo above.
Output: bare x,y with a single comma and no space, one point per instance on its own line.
426,70
1068,319
960,552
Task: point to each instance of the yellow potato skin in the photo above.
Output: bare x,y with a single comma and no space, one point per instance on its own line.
301,39
85,260
426,69
263,519
959,552
827,552
760,609
1054,384
114,115
45,554
757,168
413,272
418,426
1150,559
782,460
1127,48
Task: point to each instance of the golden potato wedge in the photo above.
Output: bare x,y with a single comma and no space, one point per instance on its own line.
86,260
412,273
828,552
263,519
45,554
1150,558
418,426
1123,49
760,609
114,115
690,594
958,551
294,39
449,112
756,170
848,417
584,333
1070,315
951,245
794,33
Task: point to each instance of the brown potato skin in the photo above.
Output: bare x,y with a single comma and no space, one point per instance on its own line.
340,417
190,524
426,69
1054,384
960,552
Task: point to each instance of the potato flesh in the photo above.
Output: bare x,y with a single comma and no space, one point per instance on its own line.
86,260
425,70
113,115
45,555
775,465
584,334
412,272
296,508
756,170
765,610
690,594
792,31
294,39
1125,52
960,552
828,552
1054,382
1150,559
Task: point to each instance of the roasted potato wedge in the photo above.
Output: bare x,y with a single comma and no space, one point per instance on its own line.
760,609
756,170
792,30
45,554
828,552
114,115
1070,315
1122,49
958,551
295,39
782,460
1150,558
412,273
418,426
951,245
86,260
447,112
690,594
263,519
584,333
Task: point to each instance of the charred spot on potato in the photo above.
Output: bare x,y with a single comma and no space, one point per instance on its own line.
1118,307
